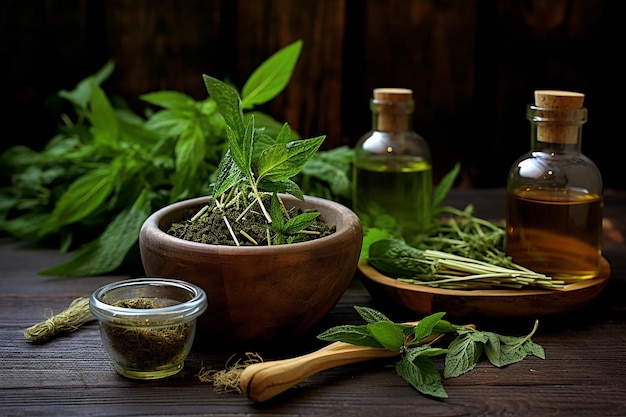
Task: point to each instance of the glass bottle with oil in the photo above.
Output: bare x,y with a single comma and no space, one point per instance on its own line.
554,193
392,171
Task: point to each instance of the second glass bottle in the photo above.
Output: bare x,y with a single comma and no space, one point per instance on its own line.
392,177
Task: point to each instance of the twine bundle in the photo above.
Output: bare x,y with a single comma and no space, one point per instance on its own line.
68,320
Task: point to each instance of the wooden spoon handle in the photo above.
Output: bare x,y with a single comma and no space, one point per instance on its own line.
264,380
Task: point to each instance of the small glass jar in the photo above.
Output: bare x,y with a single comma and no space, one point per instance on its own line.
148,324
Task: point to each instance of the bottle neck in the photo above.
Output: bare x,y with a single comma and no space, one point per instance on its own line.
556,130
391,116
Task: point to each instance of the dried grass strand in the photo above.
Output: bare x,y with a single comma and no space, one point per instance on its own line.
68,320
227,380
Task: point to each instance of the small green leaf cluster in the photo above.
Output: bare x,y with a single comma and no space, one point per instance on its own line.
95,182
255,163
414,343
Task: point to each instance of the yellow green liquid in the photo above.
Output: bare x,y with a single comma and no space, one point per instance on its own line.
399,186
556,232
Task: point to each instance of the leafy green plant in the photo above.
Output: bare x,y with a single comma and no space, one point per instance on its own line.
255,163
415,345
95,182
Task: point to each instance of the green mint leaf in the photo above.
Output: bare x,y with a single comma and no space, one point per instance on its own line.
444,326
272,76
228,175
387,334
228,104
270,126
190,151
505,350
331,167
169,99
276,213
285,160
426,325
424,350
354,335
241,147
371,235
464,352
300,222
285,186
81,94
284,135
370,315
397,259
170,122
444,186
83,196
422,375
104,124
108,251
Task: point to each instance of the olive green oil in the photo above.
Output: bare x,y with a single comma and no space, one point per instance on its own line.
398,187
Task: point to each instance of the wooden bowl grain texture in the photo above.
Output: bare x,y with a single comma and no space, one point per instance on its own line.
258,293
482,303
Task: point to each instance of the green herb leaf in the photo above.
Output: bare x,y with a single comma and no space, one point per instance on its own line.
397,259
426,325
354,335
272,76
283,161
229,175
228,104
370,315
190,150
300,222
387,334
104,124
81,94
169,99
422,375
82,197
444,186
464,352
108,251
505,350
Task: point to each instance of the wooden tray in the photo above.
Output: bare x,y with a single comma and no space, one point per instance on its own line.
483,303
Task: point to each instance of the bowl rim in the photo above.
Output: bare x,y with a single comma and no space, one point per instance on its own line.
178,313
151,226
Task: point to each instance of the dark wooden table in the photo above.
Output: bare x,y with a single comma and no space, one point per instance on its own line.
584,373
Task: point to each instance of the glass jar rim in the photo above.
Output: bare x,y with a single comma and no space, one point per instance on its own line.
183,312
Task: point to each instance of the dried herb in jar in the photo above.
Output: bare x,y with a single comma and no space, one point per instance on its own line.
147,347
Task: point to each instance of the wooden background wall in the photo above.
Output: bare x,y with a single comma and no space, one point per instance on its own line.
473,65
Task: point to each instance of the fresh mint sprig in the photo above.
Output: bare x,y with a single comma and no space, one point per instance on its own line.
256,164
414,343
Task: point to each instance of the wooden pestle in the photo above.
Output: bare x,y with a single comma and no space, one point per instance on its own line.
262,381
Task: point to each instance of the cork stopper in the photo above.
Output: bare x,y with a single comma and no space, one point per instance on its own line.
561,128
393,95
394,106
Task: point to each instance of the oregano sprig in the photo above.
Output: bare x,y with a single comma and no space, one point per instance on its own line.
414,343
